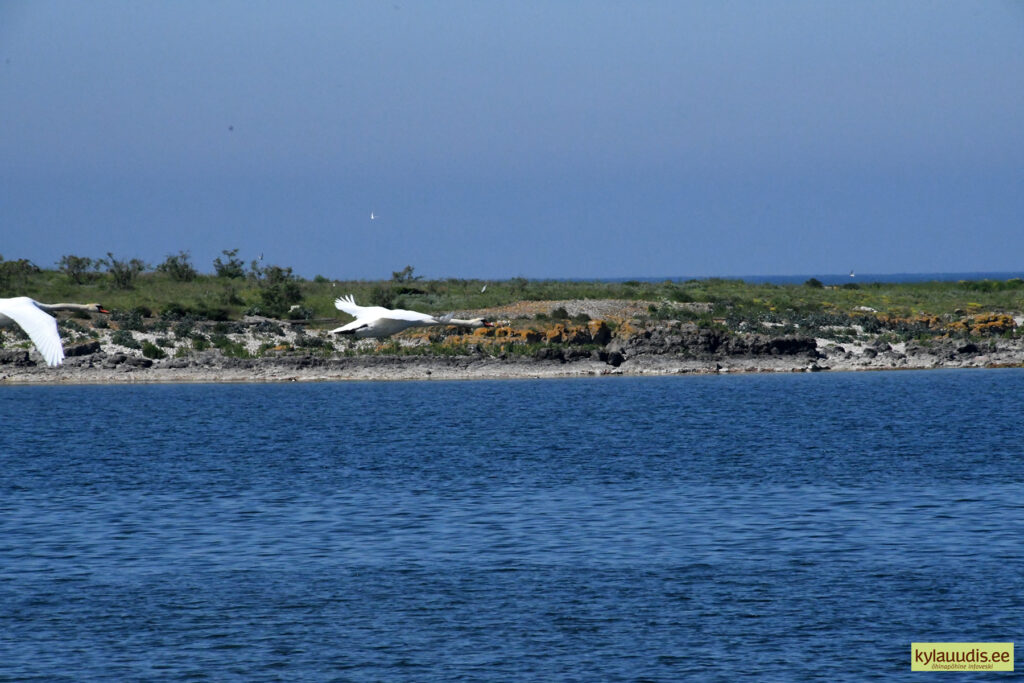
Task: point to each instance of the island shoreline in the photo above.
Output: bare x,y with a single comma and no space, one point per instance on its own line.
403,369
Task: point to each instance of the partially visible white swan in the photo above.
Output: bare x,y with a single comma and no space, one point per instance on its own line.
472,322
377,321
40,327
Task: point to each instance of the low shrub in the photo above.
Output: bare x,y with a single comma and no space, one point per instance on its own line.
126,339
151,350
229,348
129,320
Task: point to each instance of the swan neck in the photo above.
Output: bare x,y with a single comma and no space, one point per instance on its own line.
64,307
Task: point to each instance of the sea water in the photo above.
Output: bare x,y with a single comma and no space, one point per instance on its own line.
779,527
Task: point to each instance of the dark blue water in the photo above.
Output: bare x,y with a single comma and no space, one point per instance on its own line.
790,527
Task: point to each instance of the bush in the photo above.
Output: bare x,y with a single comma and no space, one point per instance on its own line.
80,269
267,327
151,350
183,328
124,338
123,272
14,275
382,296
207,312
179,267
130,320
302,340
279,289
232,267
200,342
405,275
228,347
560,313
173,311
815,283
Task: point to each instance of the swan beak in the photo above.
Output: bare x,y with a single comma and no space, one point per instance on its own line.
103,310
488,323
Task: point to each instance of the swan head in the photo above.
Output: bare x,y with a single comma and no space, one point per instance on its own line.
95,308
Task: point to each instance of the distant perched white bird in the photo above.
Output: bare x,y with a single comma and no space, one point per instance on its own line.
483,289
40,327
377,321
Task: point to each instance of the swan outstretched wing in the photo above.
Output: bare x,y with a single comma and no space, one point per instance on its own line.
347,304
410,316
40,327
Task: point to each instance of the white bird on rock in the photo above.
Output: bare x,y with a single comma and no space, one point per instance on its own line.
41,327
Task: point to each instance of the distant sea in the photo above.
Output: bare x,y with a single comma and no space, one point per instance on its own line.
768,527
834,279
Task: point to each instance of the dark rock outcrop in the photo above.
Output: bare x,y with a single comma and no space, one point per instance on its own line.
712,342
86,349
16,357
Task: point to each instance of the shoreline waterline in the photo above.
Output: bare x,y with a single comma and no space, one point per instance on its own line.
498,371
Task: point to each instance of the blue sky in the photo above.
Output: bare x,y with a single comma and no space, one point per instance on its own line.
537,139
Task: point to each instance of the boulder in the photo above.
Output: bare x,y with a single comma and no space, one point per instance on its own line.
600,333
577,334
548,353
115,360
86,349
18,357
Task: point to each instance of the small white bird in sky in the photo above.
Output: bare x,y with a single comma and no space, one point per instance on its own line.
373,216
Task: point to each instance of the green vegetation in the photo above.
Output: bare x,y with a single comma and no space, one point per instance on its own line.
178,296
151,350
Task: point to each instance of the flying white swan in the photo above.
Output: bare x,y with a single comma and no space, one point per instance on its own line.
40,327
377,321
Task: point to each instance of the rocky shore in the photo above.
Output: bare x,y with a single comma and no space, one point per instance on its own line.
262,350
